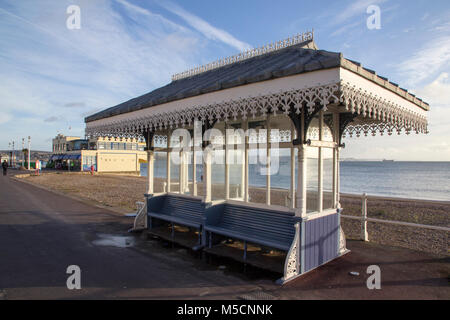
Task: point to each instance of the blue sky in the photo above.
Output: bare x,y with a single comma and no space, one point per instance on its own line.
52,77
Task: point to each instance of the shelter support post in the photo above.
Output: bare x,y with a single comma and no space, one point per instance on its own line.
245,164
168,162
207,155
194,171
150,162
336,203
241,153
320,166
181,168
268,160
227,165
185,172
150,170
292,186
301,180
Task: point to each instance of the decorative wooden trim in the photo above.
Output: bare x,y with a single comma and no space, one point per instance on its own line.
380,114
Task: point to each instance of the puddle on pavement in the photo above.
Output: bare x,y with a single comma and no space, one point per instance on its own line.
114,241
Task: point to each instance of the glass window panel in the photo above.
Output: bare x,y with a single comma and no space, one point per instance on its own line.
280,170
160,165
236,174
218,175
312,179
327,178
174,171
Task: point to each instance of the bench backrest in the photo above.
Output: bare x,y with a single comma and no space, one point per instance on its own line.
183,207
271,224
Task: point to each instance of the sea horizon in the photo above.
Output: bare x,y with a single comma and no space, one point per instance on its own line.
420,180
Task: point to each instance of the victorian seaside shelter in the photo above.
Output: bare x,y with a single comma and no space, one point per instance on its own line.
286,97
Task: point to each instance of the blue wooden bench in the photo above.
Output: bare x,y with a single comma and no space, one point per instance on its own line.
267,227
177,209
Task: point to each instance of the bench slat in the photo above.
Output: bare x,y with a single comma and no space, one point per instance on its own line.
185,211
175,220
258,225
241,236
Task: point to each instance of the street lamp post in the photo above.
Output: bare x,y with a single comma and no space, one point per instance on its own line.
29,152
13,154
10,154
23,155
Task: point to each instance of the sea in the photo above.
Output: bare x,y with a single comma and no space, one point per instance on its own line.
400,179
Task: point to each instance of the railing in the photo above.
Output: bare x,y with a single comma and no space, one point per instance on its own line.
364,236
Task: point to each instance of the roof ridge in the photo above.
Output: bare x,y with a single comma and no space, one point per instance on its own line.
304,38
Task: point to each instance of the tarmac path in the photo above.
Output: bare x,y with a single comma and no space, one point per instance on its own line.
42,233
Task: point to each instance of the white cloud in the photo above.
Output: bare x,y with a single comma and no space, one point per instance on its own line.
437,92
432,58
204,27
49,71
345,28
355,8
6,117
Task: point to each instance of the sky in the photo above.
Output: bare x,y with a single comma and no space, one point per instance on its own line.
52,77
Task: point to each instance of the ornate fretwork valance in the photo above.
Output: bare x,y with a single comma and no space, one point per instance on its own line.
386,116
252,107
383,114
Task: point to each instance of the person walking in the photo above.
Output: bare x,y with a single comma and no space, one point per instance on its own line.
37,166
5,167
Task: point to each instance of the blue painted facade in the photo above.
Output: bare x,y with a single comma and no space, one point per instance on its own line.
321,238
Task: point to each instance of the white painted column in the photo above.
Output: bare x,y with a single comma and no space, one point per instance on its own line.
338,175
168,161
150,171
268,160
301,180
320,167
186,172
246,140
242,154
181,168
207,155
301,173
335,160
292,186
227,165
194,170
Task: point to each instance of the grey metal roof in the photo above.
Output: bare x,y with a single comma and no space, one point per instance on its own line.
285,62
296,59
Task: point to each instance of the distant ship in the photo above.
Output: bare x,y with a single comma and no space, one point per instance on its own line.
385,160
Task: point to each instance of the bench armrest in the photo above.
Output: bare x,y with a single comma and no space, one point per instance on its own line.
213,213
155,203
